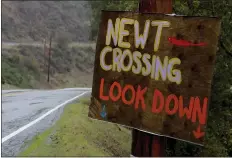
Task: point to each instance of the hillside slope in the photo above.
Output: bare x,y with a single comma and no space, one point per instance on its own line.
30,22
34,20
26,67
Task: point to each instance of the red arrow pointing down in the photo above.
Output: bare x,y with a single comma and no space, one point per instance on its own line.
198,134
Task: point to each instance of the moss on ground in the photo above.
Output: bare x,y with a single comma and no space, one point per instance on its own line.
77,135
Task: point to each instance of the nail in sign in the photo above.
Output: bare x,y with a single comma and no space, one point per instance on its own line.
154,72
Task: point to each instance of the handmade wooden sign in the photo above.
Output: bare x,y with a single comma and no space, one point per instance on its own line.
153,72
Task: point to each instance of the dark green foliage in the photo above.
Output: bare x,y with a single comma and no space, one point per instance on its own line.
13,74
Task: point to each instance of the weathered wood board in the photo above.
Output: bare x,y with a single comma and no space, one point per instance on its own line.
159,83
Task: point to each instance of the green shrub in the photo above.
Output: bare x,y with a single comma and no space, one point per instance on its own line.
13,73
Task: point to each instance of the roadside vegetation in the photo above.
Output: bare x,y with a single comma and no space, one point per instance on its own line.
19,69
26,66
77,135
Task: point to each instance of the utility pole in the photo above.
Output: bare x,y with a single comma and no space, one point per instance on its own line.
45,52
49,56
145,144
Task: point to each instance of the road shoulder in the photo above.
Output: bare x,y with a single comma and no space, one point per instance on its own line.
77,135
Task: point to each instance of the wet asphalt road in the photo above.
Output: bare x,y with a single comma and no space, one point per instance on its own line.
22,107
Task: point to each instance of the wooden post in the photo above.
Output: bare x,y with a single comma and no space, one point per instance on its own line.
145,144
155,6
45,52
49,57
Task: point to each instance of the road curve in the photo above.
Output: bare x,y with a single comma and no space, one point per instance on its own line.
34,110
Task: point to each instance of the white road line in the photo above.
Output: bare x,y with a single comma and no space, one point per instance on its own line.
40,118
80,89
